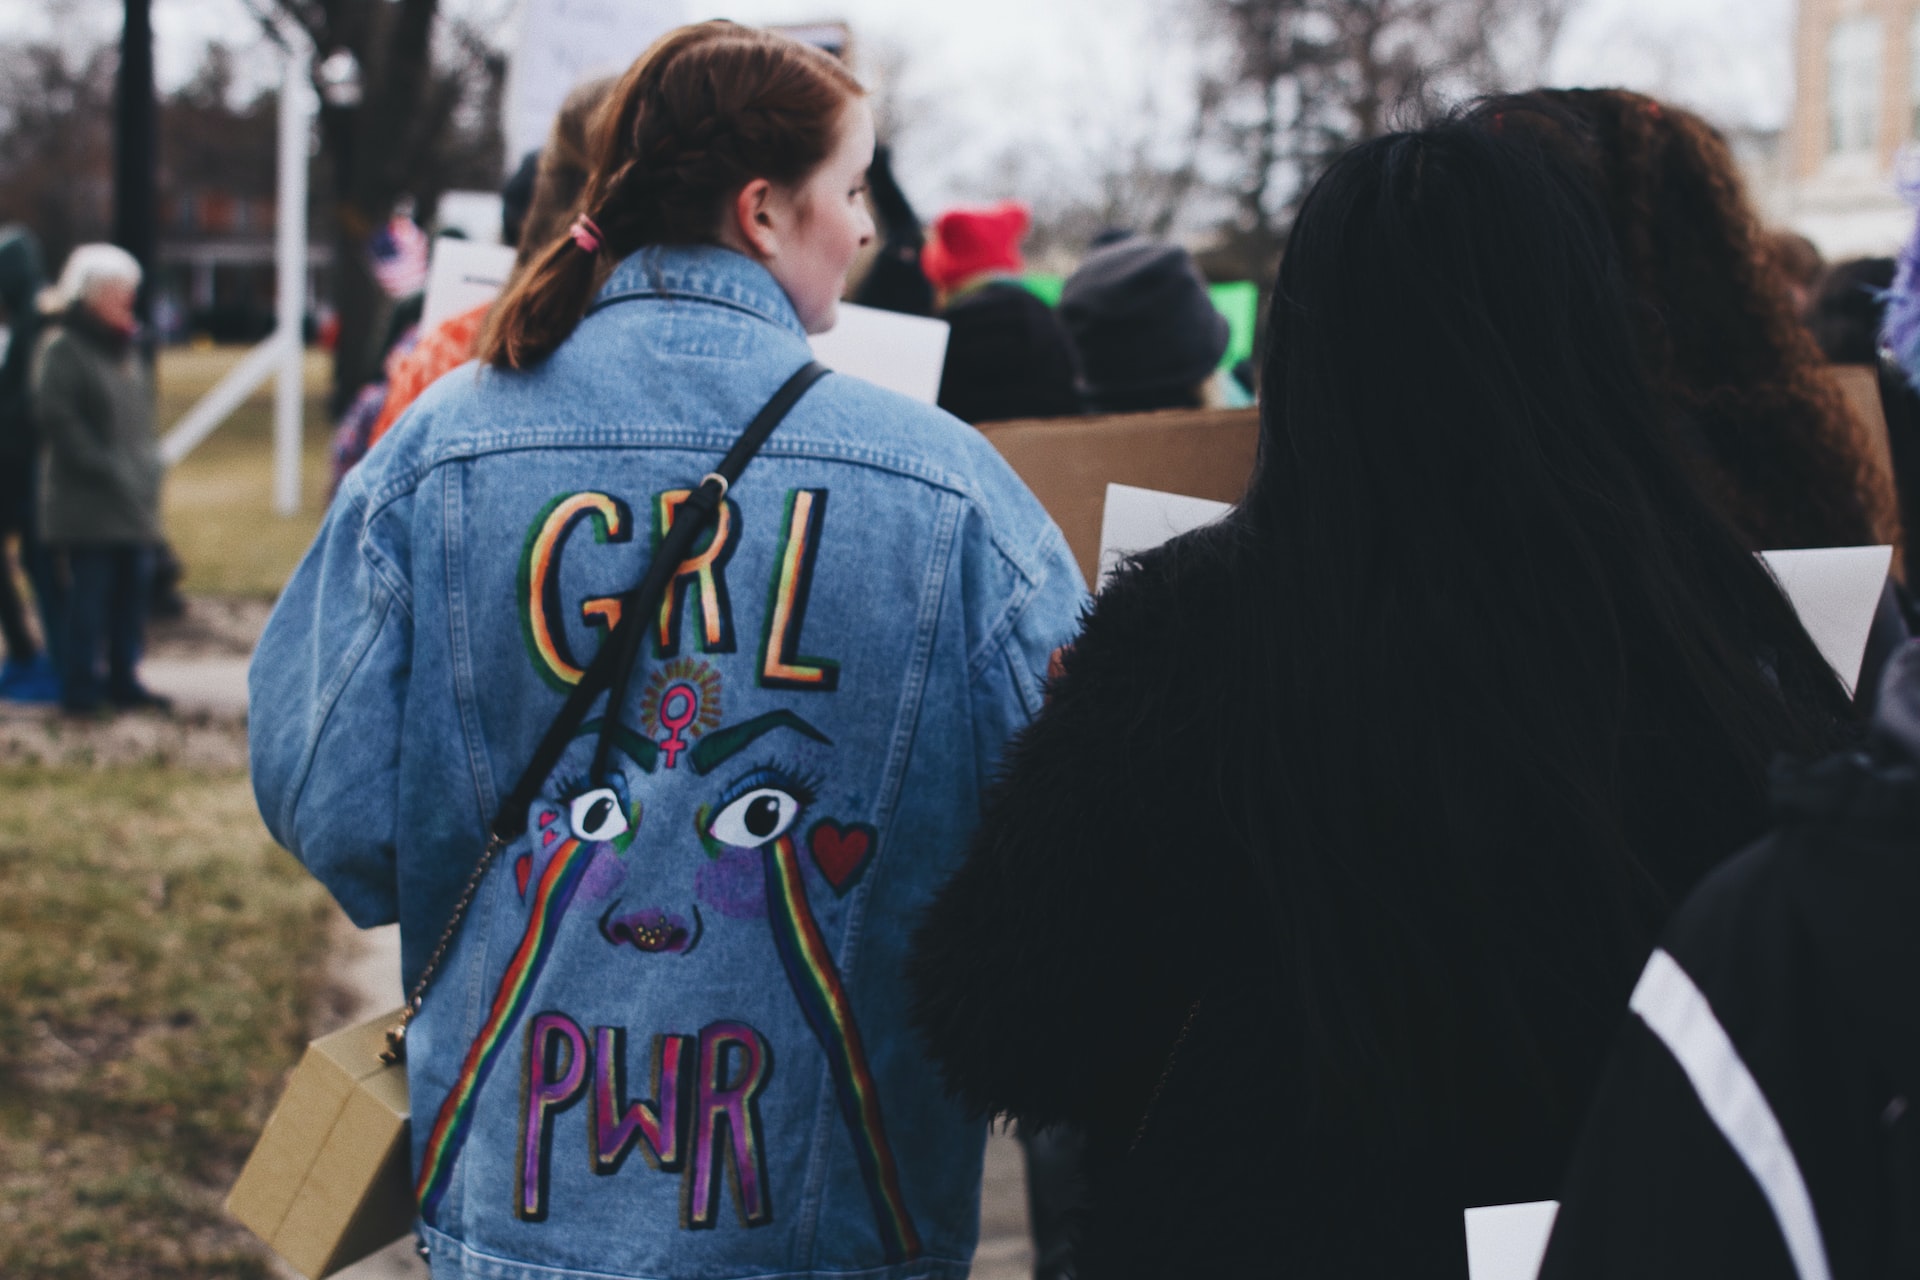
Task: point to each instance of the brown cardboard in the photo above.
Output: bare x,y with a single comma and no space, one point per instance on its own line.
1069,462
330,1179
1861,383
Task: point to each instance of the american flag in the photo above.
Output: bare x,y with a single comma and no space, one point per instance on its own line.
399,252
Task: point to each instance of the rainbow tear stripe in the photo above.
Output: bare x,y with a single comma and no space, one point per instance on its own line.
555,891
816,985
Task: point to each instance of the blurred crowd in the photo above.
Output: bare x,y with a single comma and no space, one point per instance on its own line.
1475,688
1314,897
79,482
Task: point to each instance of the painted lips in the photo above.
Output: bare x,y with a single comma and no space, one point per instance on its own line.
650,930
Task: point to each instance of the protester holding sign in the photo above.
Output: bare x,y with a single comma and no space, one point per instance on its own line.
669,1036
1315,894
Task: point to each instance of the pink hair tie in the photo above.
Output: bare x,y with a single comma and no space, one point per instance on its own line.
585,233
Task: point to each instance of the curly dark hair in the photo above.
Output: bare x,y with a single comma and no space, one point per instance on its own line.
1764,426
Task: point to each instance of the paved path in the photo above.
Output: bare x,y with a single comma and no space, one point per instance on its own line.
210,685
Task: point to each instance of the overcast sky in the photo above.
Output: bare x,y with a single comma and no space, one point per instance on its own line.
990,71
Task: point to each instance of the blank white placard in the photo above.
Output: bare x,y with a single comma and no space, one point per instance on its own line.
887,348
1835,590
1136,520
462,275
1507,1241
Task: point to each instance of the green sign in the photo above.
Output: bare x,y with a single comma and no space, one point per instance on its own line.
1237,300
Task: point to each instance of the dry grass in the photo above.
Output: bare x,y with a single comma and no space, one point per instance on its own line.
159,960
218,503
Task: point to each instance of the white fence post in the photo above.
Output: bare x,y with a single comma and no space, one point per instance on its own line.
296,116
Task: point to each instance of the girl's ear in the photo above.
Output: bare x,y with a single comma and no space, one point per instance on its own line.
751,218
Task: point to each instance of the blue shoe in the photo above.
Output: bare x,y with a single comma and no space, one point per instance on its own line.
34,681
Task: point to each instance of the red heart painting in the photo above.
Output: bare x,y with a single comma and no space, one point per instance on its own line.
841,853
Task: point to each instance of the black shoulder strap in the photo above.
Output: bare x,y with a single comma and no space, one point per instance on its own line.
612,666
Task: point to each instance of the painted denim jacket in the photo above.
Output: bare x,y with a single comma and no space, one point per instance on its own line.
671,1037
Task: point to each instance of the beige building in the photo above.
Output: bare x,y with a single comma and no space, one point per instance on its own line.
1856,109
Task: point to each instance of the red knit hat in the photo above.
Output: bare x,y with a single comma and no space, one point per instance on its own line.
965,242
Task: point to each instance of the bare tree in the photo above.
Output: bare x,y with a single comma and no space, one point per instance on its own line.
395,122
1294,82
56,110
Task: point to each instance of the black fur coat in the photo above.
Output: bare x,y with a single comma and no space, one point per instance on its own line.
1106,915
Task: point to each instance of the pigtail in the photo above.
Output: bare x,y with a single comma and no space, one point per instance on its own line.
541,307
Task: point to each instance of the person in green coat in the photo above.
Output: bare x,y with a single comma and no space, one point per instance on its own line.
100,508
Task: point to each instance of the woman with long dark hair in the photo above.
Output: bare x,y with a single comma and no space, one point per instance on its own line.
667,1035
1315,893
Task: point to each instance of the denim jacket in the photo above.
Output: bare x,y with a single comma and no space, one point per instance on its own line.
670,1039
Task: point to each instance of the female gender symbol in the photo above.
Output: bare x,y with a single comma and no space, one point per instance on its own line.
679,705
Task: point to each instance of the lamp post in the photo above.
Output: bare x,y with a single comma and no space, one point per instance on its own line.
134,145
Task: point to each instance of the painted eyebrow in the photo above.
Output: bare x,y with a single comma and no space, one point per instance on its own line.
723,744
643,751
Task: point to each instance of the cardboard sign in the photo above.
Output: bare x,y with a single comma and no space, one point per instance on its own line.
462,275
1069,462
899,352
1860,384
1835,590
1138,520
1508,1241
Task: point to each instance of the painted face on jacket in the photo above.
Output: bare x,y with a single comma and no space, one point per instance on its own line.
699,839
744,828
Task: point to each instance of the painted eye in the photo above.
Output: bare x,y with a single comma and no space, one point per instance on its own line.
755,818
598,814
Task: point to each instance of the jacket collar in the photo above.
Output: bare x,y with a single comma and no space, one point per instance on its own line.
707,273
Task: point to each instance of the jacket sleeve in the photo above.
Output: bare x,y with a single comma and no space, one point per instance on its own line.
326,699
1008,668
1048,975
68,423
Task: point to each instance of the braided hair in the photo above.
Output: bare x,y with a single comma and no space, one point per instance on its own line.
703,112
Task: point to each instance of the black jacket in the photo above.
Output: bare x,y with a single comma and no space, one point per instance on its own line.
1804,953
1110,897
20,281
1008,356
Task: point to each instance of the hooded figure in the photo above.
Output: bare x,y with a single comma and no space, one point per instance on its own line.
28,674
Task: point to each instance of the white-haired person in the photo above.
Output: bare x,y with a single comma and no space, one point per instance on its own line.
100,511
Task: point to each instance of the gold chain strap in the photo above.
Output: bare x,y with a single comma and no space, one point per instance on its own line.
396,1050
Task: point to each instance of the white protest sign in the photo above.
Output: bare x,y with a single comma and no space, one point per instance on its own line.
1507,1241
1136,520
462,275
565,42
899,352
474,214
1835,590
